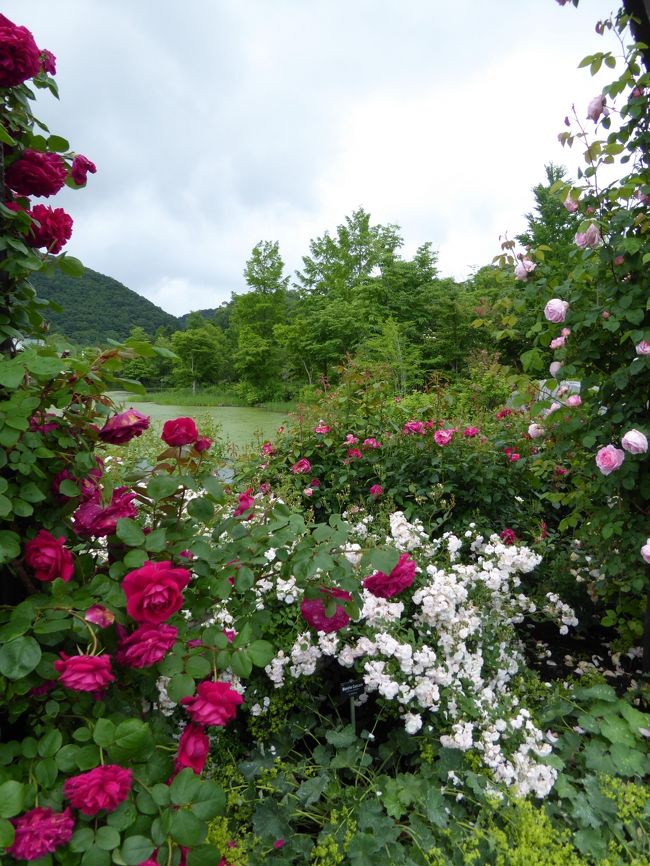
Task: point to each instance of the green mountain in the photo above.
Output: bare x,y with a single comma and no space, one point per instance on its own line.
97,308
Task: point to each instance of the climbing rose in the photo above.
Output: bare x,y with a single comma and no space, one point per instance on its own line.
387,585
322,428
179,431
354,454
535,431
596,107
81,165
146,646
571,205
104,787
301,467
413,427
574,400
36,173
193,749
48,61
645,551
123,427
523,268
590,238
470,432
643,348
203,443
635,442
40,831
52,229
84,673
371,443
215,703
609,458
555,368
555,310
19,56
246,503
557,343
268,449
314,612
508,536
100,616
443,437
93,519
376,490
49,557
154,591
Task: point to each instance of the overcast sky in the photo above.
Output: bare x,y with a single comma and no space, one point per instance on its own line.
215,124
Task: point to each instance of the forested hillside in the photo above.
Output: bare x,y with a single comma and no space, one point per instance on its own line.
97,308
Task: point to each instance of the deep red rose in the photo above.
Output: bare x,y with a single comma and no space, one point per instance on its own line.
508,536
246,503
19,54
84,673
40,831
313,611
48,62
193,749
203,443
123,427
43,424
155,591
104,787
52,229
213,704
387,585
146,646
36,173
179,431
91,518
49,557
81,165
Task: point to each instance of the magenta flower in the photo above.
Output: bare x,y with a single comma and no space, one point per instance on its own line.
508,536
371,443
558,342
99,615
443,437
470,432
413,427
570,204
40,831
643,348
322,428
354,454
215,703
313,611
104,787
351,439
246,503
387,585
302,467
376,490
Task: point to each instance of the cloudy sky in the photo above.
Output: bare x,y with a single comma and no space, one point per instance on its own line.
219,123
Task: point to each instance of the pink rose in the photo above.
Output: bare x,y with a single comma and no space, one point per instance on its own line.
535,431
609,458
443,437
524,267
193,749
574,401
215,703
413,427
590,238
570,204
351,439
48,62
354,454
146,646
123,427
307,491
470,432
555,310
179,431
81,165
20,58
246,503
557,343
154,591
643,348
84,673
203,443
635,442
49,557
645,551
104,787
39,831
371,443
513,457
322,428
99,615
596,107
376,490
387,585
36,173
301,467
93,519
51,229
503,413
314,612
555,368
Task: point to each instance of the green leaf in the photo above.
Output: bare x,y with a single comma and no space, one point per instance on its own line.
107,838
241,663
187,829
5,138
12,796
180,686
129,532
209,801
82,840
162,486
104,732
133,741
160,794
214,488
155,541
342,739
11,373
384,560
9,546
19,657
71,266
363,850
201,855
136,849
49,744
198,667
7,833
261,652
184,787
135,558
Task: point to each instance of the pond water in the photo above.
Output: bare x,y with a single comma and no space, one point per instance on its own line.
240,424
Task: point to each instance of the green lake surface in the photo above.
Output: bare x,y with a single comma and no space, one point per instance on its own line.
239,424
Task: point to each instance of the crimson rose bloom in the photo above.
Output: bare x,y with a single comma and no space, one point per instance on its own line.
19,55
203,443
48,62
81,165
92,519
36,173
387,585
246,503
84,673
193,749
313,611
49,557
214,703
146,646
301,467
102,788
40,831
179,431
155,591
123,427
52,230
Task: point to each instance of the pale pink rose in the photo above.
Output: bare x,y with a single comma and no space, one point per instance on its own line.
609,458
523,268
565,332
605,314
553,407
555,368
590,238
555,310
596,107
557,343
643,348
571,205
535,431
645,551
574,400
635,442
308,491
443,437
